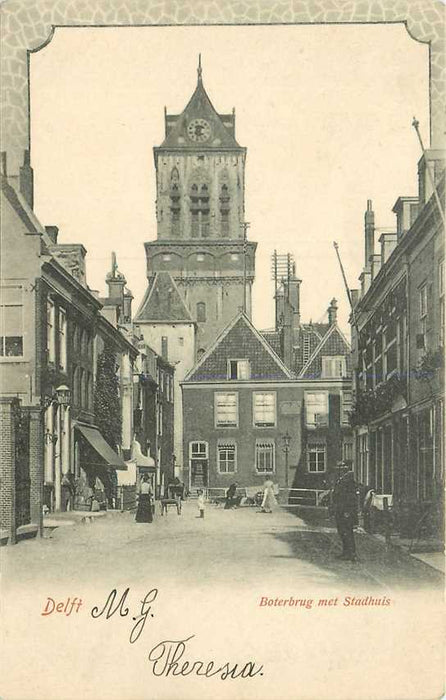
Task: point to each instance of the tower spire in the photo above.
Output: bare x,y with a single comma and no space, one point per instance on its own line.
199,69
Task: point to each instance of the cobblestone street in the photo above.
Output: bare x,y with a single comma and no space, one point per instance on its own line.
210,577
238,547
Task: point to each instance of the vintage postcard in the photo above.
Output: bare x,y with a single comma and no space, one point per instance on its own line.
222,350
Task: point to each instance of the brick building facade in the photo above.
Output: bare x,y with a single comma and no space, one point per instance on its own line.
398,342
241,404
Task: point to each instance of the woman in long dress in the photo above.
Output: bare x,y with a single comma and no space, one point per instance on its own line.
144,512
269,499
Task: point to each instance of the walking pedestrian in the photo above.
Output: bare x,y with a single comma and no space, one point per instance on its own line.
200,503
144,512
269,499
345,507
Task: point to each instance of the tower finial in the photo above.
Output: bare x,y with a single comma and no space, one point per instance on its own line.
199,69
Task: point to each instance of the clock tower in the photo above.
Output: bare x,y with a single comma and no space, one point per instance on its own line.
200,210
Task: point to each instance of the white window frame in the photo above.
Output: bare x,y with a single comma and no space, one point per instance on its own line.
217,422
256,422
327,366
316,448
199,455
51,329
262,444
316,424
62,328
4,305
226,444
239,360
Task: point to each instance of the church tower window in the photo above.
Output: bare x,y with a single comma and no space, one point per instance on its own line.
199,208
175,202
224,210
201,311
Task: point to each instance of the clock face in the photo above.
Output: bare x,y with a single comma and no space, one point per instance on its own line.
199,130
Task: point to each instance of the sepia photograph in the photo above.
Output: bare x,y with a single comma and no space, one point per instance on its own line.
222,297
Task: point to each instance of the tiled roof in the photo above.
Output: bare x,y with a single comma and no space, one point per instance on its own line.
163,302
273,339
240,340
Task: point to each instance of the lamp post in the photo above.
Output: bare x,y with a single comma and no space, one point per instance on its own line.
286,448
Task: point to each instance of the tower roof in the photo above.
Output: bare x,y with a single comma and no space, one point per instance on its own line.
219,129
162,302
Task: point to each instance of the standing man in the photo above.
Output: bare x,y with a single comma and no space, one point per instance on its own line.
345,507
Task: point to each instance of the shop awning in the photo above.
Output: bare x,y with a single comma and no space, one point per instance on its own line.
97,442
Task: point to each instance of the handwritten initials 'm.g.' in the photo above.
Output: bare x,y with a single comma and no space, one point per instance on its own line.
108,608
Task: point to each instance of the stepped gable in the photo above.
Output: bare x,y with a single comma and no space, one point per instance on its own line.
163,302
239,340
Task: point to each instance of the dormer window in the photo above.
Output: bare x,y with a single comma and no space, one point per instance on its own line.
239,369
333,367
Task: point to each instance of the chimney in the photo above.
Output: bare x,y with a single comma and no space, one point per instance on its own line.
4,163
430,167
26,180
128,298
388,244
288,304
71,256
406,210
332,312
365,279
52,232
369,233
355,296
116,283
375,265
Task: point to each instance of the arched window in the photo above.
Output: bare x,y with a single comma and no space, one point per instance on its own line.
201,311
224,210
199,209
175,201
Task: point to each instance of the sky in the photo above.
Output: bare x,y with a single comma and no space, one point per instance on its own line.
324,111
